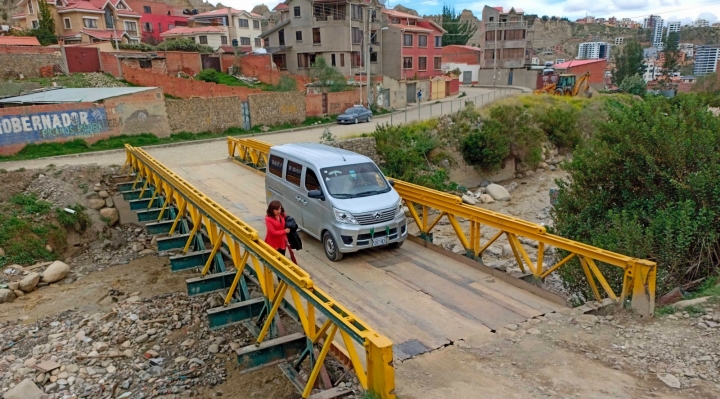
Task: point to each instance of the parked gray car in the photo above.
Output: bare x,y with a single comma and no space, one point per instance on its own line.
355,114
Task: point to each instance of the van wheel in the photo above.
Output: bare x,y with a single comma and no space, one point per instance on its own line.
331,249
396,245
356,121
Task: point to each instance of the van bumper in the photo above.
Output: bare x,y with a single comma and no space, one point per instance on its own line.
353,238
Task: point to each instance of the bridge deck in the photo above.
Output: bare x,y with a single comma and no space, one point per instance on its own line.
417,297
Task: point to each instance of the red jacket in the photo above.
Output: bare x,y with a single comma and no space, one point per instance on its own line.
275,237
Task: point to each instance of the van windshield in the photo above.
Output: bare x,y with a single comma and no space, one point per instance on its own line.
353,181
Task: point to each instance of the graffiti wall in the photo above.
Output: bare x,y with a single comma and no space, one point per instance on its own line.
42,126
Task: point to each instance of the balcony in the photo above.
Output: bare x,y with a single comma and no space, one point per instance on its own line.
330,17
522,43
506,25
132,33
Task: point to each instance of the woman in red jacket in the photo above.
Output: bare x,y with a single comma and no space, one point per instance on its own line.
275,223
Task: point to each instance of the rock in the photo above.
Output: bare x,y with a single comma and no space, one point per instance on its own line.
96,203
55,272
498,192
512,186
486,199
533,331
103,194
29,282
109,202
14,285
188,343
24,390
671,297
49,248
7,295
511,327
213,348
72,368
101,346
146,252
690,302
30,362
587,319
669,380
180,359
110,215
468,199
507,250
142,338
137,247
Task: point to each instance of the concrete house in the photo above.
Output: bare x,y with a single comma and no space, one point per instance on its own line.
85,21
242,28
412,47
213,36
333,29
506,38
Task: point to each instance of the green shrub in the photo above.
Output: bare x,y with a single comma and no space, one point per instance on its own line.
31,204
646,186
634,84
78,221
208,75
486,147
525,138
286,83
560,125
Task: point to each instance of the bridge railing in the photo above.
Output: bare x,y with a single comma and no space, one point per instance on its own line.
276,274
639,275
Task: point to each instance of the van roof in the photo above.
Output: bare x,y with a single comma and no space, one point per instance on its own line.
319,155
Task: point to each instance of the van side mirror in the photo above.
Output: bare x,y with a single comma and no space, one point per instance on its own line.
316,194
392,183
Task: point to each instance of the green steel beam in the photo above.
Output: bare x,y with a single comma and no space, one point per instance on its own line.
159,227
210,283
135,194
129,185
152,214
234,313
271,352
142,204
189,261
173,242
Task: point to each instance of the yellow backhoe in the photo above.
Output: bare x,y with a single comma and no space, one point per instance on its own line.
568,85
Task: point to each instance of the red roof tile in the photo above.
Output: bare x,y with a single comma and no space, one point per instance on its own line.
19,41
103,34
572,63
411,28
281,6
451,46
400,14
184,30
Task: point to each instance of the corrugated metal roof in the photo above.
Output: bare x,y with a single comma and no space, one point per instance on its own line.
73,95
19,41
574,63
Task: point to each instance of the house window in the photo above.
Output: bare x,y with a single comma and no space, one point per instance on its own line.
35,24
31,10
298,35
316,36
203,39
67,23
422,40
88,23
355,59
373,56
373,37
490,36
147,27
516,34
145,64
281,37
302,61
296,11
357,35
357,12
279,60
332,59
244,23
511,53
422,63
256,24
160,27
438,41
147,9
131,28
437,65
257,42
407,62
120,6
223,40
132,41
244,41
407,40
342,60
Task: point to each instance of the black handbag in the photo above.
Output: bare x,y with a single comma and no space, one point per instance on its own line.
293,237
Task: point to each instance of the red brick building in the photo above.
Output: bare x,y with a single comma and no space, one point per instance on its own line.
580,67
157,17
461,54
411,47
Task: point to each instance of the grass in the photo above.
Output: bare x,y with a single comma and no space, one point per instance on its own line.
228,80
24,236
77,221
369,395
31,204
710,287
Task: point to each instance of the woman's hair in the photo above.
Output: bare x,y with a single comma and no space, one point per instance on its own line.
274,205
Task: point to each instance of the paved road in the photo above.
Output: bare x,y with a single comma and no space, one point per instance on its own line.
217,149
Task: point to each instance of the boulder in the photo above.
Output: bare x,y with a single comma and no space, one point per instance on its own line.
29,282
690,302
6,295
111,215
498,192
2,252
109,202
102,194
96,203
24,390
468,199
55,272
486,199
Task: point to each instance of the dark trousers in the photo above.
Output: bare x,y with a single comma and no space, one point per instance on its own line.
282,251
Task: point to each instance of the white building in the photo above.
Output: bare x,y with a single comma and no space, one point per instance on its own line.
706,59
673,27
535,61
652,70
594,51
213,36
687,48
619,41
701,23
243,28
655,23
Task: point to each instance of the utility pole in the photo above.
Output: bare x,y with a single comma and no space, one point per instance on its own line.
114,21
495,55
367,59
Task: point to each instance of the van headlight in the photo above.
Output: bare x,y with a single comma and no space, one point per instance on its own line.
399,209
344,216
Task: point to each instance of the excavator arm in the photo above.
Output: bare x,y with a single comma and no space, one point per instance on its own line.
548,89
583,80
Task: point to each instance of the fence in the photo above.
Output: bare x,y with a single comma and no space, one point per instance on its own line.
446,107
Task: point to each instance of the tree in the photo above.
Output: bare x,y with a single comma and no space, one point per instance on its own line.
634,84
629,62
670,65
327,77
645,185
457,32
45,31
545,18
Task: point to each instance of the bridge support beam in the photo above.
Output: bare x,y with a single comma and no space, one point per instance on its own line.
234,313
271,352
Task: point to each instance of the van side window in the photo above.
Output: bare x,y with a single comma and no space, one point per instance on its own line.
294,171
276,165
311,180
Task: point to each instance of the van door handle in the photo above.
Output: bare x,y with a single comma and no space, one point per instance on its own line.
301,200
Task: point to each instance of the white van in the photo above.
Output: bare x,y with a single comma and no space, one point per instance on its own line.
336,196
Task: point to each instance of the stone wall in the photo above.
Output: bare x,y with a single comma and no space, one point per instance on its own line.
26,61
204,114
363,145
271,109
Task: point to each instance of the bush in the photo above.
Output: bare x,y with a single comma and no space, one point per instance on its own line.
560,125
208,75
486,147
286,83
180,44
525,138
646,186
78,221
634,85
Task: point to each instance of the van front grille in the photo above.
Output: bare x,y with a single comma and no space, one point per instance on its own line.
375,217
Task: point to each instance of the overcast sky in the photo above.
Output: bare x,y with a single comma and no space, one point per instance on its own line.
671,10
